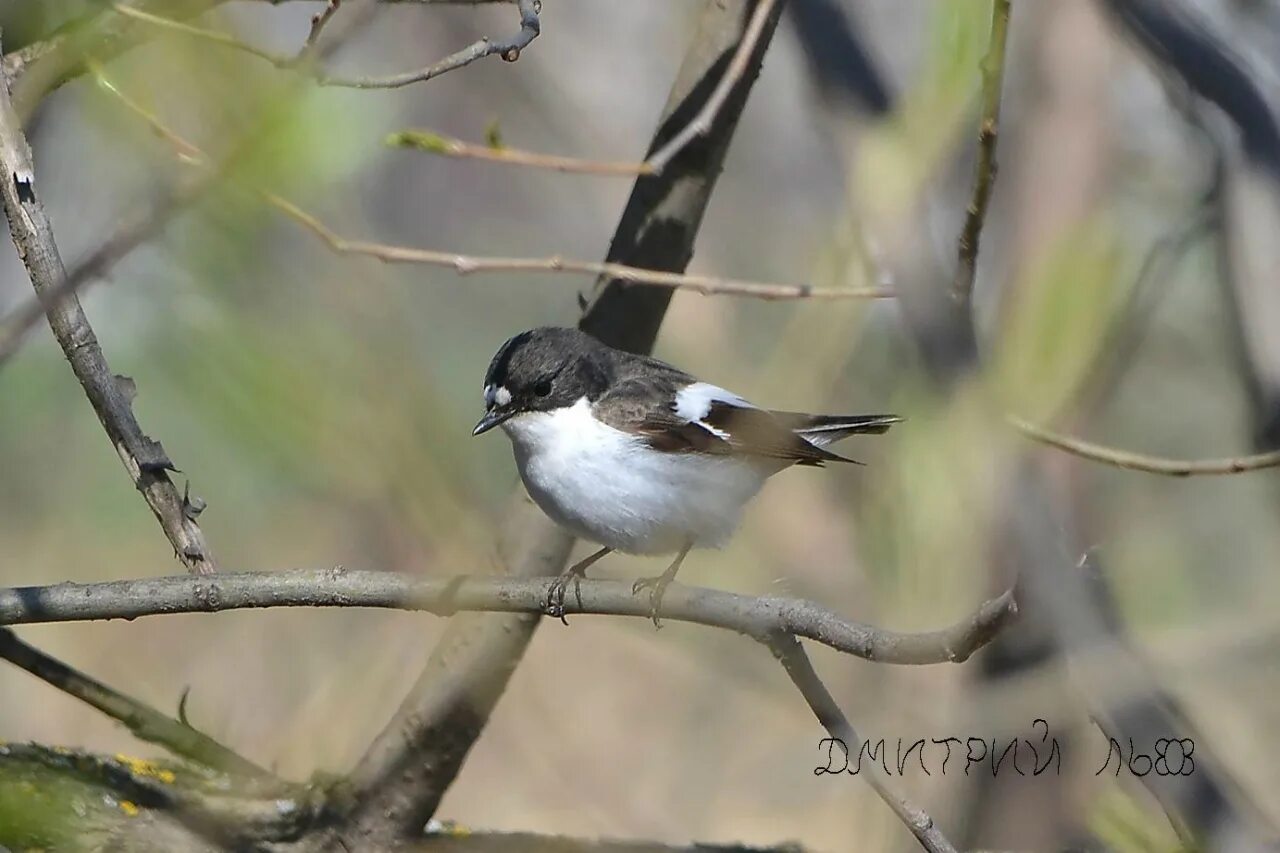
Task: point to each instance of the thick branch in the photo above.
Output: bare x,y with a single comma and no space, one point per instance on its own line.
145,722
144,458
756,616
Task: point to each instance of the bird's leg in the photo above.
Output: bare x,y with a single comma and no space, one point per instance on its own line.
576,572
658,586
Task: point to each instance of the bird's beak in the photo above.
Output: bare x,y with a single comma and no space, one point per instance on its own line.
491,419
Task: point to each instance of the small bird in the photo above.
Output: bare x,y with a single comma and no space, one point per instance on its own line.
636,455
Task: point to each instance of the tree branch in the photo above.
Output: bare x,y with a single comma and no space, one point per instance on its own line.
1141,462
471,264
143,457
984,175
755,616
509,49
610,270
791,654
145,722
763,18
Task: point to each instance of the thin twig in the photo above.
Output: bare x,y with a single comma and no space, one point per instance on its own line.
448,146
318,22
508,49
144,458
699,125
791,654
470,264
756,616
1141,462
984,175
145,722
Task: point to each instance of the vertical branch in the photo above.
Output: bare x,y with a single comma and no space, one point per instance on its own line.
111,396
664,211
984,174
397,785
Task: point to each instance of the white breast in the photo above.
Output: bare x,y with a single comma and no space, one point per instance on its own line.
610,487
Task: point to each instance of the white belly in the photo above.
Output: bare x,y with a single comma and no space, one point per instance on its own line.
608,486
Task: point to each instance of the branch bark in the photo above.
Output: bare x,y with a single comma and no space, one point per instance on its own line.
745,614
144,459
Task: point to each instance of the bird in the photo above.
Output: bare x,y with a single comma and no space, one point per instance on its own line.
639,456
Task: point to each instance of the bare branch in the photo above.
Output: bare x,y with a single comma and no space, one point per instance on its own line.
145,460
985,171
435,143
145,722
1141,462
791,654
472,264
469,264
700,125
508,49
338,587
318,22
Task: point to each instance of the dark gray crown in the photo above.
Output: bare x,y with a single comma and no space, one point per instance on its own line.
550,367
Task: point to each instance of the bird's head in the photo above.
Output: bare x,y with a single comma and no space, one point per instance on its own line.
542,370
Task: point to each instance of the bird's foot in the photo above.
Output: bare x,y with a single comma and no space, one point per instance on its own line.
657,587
559,586
554,606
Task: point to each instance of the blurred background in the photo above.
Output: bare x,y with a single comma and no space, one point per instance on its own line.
322,405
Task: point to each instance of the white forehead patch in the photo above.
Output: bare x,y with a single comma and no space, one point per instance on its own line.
498,396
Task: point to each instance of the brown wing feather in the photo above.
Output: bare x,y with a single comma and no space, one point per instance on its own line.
757,432
632,406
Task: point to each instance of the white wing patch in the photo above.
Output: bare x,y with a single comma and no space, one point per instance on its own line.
694,401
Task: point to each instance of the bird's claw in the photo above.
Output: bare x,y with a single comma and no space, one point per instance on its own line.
554,606
657,587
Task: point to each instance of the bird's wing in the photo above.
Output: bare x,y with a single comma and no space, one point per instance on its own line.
676,415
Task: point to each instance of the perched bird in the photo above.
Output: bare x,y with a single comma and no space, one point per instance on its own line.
639,456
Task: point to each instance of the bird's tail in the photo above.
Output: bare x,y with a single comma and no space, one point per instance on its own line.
827,429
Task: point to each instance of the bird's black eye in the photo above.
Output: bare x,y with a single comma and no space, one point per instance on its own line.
543,388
